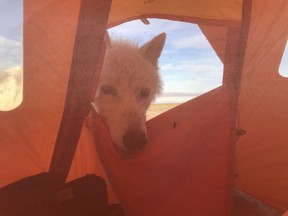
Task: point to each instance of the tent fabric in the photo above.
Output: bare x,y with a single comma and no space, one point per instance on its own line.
29,133
217,11
168,177
87,60
32,127
263,114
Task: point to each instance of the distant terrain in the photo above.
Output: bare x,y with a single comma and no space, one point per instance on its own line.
156,109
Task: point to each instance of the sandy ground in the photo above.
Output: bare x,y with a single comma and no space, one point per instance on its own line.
156,109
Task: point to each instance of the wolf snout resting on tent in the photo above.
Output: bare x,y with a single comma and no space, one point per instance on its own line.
129,82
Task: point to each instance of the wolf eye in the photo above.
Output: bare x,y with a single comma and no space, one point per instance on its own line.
108,90
144,93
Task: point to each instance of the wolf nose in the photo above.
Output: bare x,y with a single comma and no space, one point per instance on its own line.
134,140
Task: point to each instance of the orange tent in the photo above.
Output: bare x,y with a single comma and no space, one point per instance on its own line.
193,151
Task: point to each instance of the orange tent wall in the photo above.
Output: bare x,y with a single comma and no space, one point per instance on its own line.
28,133
262,153
185,168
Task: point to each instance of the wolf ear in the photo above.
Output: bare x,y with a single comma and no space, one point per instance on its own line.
152,49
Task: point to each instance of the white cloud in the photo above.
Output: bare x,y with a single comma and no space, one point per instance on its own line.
167,67
198,41
10,53
5,42
136,29
196,67
195,76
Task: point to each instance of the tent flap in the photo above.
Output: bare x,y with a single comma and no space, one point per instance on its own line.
189,159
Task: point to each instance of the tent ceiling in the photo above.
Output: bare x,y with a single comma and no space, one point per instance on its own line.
216,10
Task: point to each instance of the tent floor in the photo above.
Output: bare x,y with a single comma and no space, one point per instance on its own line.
246,205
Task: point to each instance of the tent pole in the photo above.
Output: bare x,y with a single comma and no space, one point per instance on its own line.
87,60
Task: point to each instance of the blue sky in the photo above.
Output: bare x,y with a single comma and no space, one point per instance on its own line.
283,69
11,23
188,64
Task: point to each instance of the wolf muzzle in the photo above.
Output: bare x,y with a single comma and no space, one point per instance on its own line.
134,140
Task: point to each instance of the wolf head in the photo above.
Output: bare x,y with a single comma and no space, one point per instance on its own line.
129,82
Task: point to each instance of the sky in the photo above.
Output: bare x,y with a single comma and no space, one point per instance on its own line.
188,65
11,23
283,69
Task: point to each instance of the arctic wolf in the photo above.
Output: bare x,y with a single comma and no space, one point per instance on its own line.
129,82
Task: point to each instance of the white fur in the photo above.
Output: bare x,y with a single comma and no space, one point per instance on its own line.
129,82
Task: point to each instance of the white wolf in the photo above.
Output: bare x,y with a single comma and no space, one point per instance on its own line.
129,82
